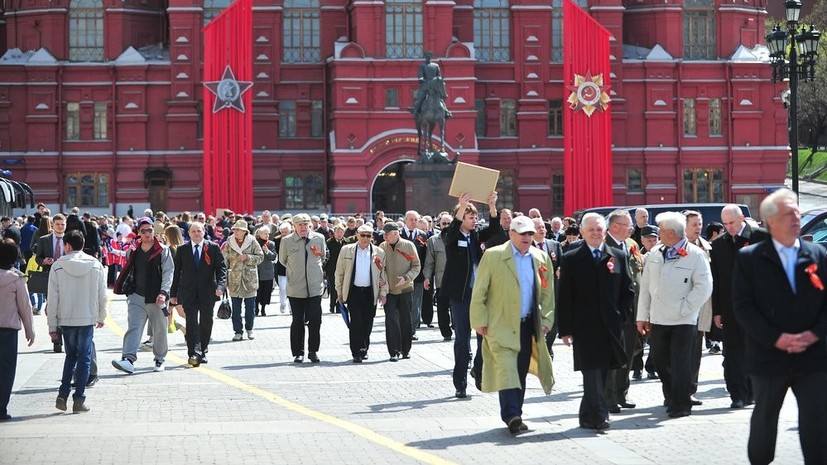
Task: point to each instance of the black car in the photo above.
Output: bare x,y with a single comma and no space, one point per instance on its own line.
709,211
814,224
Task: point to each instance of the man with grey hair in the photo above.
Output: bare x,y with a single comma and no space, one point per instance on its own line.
675,285
595,298
725,248
617,382
779,298
419,239
556,232
433,269
641,220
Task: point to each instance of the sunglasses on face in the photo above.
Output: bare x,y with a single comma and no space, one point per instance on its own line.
365,235
145,231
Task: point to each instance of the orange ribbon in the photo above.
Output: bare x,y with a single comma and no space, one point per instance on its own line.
378,263
814,279
207,258
407,256
682,252
315,251
543,280
420,240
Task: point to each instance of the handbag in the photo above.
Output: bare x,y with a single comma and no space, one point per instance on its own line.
125,284
38,282
224,309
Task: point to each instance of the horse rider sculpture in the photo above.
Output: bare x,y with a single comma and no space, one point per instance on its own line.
428,71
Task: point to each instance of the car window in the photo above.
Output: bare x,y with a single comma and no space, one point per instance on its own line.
819,231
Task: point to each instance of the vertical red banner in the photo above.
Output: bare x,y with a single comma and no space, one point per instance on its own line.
587,122
228,129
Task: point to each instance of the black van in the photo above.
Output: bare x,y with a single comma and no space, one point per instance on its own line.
709,211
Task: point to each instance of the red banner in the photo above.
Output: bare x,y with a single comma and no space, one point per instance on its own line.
587,121
228,123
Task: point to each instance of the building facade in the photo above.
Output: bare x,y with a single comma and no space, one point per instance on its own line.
101,101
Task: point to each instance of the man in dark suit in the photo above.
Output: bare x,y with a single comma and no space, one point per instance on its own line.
90,232
554,252
724,249
501,236
10,230
334,246
198,281
617,382
779,299
420,240
48,249
596,297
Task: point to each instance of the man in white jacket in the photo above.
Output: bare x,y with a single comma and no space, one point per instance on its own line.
77,304
676,283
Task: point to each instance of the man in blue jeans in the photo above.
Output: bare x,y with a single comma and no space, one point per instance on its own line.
77,304
463,252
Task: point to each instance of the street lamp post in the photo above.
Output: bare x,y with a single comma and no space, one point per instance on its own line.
793,55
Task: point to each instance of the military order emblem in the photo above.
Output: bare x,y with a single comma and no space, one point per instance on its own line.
228,91
589,94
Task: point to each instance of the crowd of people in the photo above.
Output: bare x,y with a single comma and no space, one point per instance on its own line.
607,286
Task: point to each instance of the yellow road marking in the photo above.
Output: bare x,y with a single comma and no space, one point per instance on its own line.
358,430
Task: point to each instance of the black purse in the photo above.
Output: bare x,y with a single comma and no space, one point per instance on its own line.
224,309
125,284
38,282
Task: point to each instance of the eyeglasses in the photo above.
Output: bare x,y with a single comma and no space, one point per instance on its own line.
365,235
144,231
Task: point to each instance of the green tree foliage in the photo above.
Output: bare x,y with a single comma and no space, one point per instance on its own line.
812,96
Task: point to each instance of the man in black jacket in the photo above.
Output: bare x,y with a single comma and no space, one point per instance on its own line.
198,281
779,299
463,253
724,249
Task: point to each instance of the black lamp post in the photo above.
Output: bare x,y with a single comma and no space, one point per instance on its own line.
793,55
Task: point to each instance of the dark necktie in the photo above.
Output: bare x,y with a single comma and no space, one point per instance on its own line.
197,255
596,255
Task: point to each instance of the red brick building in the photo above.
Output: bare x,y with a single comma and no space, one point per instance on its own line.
100,101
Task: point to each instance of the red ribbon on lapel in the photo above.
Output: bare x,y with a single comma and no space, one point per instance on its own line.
378,263
315,251
543,280
407,256
207,258
814,279
611,264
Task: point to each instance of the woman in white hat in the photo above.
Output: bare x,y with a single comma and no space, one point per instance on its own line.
243,255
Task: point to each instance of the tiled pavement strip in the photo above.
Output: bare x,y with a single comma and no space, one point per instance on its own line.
251,404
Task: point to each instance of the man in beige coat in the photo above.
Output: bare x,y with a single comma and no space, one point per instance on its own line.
402,267
361,282
512,307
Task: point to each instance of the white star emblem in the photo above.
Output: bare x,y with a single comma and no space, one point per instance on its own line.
228,91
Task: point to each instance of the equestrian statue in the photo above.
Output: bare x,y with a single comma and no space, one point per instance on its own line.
429,111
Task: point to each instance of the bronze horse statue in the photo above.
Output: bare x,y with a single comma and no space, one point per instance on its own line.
432,114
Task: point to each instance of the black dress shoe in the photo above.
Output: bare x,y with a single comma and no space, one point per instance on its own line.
614,408
515,426
298,359
414,338
652,375
637,375
365,356
460,394
394,358
678,413
628,404
737,404
406,356
447,339
694,401
603,426
202,357
357,359
313,358
93,380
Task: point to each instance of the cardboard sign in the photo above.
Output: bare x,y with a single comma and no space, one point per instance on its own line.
478,181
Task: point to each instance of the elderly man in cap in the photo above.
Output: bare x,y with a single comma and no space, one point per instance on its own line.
402,267
361,282
512,307
150,267
649,238
303,254
324,227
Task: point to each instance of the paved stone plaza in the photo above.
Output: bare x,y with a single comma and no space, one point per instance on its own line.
252,405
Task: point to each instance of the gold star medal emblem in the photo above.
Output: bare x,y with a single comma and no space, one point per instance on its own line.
589,94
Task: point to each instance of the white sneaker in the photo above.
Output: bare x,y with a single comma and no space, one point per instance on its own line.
124,365
237,337
159,366
250,334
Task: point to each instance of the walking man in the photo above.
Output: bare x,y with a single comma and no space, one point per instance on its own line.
434,269
199,280
361,282
77,304
149,267
512,307
303,254
779,299
402,267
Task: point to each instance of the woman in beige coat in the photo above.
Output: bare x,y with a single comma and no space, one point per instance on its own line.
243,255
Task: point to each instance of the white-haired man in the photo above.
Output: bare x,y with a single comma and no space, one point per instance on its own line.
675,285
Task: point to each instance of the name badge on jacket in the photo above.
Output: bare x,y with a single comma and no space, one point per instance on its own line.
462,243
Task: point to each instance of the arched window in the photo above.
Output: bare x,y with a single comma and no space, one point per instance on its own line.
403,29
85,30
301,31
557,28
213,8
492,30
699,38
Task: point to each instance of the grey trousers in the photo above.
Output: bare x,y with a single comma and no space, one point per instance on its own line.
138,313
416,307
